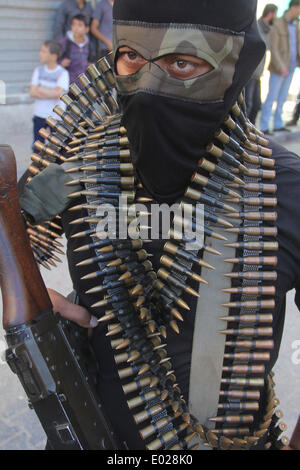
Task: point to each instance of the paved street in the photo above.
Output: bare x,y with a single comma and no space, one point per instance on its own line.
19,428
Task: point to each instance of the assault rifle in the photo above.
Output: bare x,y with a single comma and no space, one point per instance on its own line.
42,347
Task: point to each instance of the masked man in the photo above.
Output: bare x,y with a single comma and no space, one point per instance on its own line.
187,337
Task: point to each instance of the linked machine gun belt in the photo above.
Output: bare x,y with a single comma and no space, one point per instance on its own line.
234,184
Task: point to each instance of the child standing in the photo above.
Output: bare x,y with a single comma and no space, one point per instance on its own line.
76,47
49,81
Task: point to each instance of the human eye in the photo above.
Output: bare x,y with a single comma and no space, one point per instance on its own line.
128,61
183,67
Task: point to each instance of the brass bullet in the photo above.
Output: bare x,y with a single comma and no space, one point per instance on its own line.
114,329
151,429
46,244
179,221
234,431
229,141
253,275
234,419
136,385
176,314
244,381
259,290
80,95
253,344
256,187
144,369
248,332
165,438
257,318
214,169
92,92
255,201
225,443
34,171
139,400
176,251
48,240
59,127
171,264
207,215
199,196
106,69
54,225
282,442
68,119
245,369
265,152
166,276
73,107
46,134
119,343
264,174
252,246
106,317
247,406
169,293
250,215
38,159
255,260
43,229
241,394
174,326
128,194
149,412
206,182
177,236
133,356
258,139
48,150
104,271
123,182
262,304
261,161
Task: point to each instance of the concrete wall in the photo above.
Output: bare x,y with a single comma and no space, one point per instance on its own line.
24,25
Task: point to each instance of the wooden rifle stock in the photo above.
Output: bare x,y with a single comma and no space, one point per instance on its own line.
24,294
41,345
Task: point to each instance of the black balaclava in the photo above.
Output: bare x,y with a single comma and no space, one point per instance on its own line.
170,121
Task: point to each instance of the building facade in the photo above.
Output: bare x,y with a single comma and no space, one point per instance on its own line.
24,25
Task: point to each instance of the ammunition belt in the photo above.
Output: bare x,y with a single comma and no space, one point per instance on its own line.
139,302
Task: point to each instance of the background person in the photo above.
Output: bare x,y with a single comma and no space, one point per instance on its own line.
67,10
49,81
253,88
285,57
101,27
76,47
296,113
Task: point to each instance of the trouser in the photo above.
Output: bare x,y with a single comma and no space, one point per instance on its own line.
296,113
38,123
278,92
253,98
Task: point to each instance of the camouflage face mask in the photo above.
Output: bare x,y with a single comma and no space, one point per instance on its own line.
218,48
170,121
